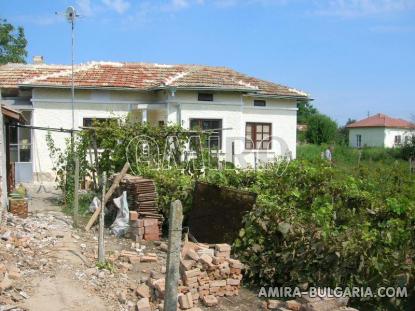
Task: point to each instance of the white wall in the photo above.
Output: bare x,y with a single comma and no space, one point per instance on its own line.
371,137
377,136
391,133
235,111
52,108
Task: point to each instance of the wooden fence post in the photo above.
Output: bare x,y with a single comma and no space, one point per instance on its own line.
76,194
101,247
173,255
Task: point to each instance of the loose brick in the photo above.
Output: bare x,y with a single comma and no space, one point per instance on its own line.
133,216
150,222
143,305
210,300
192,273
293,305
143,291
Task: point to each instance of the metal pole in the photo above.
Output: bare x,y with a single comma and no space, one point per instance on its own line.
101,247
72,75
76,193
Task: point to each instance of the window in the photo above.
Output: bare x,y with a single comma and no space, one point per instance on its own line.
259,103
358,141
20,140
398,139
214,137
205,97
258,136
89,122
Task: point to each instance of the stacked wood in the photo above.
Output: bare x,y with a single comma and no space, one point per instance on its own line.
206,273
19,207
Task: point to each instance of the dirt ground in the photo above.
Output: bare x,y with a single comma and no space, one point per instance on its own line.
58,265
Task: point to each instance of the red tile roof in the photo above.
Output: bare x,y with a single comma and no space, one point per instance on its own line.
139,76
381,120
12,75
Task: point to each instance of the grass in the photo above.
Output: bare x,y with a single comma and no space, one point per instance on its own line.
347,158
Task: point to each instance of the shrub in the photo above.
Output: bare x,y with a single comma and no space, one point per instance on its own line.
321,129
408,149
315,226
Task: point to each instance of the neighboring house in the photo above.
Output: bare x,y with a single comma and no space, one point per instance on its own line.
253,118
380,131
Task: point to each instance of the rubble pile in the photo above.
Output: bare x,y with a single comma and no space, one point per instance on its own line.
24,247
307,303
206,273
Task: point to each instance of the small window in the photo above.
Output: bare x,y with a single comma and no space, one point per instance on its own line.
398,139
358,141
89,122
259,103
258,136
205,97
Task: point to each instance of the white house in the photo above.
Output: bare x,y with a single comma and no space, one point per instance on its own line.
255,120
380,131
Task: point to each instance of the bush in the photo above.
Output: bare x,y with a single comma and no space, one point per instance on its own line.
408,149
321,129
315,226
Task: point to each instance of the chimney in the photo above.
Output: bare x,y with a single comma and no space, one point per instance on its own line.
38,60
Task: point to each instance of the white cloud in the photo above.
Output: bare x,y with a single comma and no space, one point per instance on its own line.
84,7
119,6
356,8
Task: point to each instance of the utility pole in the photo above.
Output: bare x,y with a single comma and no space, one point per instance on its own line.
71,16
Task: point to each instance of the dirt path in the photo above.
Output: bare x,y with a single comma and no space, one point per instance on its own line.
56,265
60,292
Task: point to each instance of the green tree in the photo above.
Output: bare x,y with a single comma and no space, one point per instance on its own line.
305,110
321,129
12,44
343,133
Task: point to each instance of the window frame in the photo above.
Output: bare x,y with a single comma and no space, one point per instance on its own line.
260,103
216,133
398,140
99,119
205,97
254,136
358,140
18,146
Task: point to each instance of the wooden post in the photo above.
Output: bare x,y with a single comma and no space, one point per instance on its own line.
76,194
173,255
101,248
4,186
94,180
95,145
108,195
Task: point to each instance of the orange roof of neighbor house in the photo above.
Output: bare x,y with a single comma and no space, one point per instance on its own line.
382,120
140,76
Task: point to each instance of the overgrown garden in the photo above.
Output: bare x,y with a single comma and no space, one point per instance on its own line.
314,224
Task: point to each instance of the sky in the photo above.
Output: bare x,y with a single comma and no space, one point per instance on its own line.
354,57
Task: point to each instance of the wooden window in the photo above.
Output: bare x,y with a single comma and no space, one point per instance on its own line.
258,136
358,141
205,97
213,128
259,103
